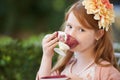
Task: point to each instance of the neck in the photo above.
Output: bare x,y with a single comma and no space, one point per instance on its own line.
84,58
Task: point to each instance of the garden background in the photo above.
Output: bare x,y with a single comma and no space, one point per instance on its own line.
23,24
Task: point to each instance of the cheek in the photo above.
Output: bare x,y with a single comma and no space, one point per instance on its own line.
66,31
84,44
86,40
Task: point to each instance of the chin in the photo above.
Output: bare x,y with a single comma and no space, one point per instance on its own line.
76,49
73,50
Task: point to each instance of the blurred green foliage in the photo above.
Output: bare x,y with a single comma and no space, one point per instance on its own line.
20,59
18,16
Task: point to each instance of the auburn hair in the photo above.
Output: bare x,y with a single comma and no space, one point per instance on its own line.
103,48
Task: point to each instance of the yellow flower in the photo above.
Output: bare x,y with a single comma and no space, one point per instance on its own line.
102,10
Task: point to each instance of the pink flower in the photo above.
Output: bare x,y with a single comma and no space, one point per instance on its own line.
107,4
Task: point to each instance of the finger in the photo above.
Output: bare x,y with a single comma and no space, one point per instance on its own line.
51,36
57,72
37,77
52,42
54,73
54,45
69,76
46,36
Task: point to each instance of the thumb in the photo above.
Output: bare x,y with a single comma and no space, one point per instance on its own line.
69,76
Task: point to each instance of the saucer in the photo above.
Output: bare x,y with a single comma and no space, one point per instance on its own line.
60,77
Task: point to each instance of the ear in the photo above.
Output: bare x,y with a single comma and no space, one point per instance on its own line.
99,34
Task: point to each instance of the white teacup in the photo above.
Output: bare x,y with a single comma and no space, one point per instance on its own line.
66,42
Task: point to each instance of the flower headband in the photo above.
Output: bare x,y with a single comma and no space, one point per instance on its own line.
102,10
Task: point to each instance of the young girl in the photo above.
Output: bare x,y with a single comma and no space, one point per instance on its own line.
93,58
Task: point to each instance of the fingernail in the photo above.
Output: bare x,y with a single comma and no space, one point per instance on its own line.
56,33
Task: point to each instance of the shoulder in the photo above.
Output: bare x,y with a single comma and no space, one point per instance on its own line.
107,72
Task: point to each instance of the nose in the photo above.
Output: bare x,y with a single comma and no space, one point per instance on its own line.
72,33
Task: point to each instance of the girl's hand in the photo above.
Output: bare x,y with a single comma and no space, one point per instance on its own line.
49,42
73,77
55,73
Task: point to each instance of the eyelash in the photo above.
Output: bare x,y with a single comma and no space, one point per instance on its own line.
70,27
82,30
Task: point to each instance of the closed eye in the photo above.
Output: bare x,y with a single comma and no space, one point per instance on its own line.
69,26
82,30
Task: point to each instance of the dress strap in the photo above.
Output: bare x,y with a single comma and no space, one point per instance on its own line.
71,64
84,69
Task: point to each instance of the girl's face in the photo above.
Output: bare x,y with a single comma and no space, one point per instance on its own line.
85,37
